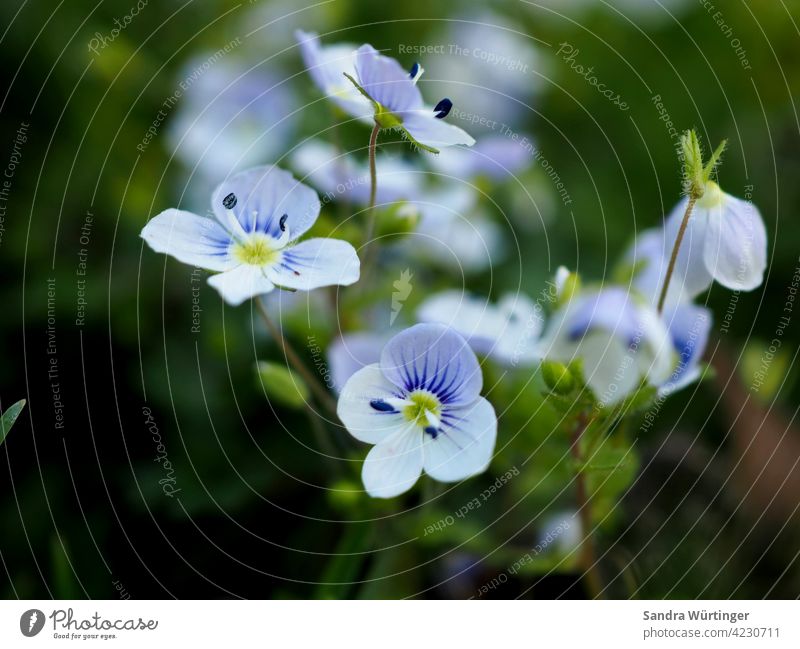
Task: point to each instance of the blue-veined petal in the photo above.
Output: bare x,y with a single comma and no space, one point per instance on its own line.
262,196
394,465
465,442
359,406
433,357
314,263
385,80
241,283
689,326
351,352
735,248
191,239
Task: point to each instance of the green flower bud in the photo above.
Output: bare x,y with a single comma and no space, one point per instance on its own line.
397,219
282,385
557,377
568,285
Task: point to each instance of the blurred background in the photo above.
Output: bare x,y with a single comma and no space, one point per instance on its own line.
150,463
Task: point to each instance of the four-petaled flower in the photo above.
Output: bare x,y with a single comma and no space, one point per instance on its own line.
397,102
421,408
259,215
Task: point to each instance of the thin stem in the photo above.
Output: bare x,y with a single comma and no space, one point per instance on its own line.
373,192
297,363
674,257
588,558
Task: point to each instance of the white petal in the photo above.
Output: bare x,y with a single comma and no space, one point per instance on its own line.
610,368
736,244
316,262
394,465
464,445
241,283
191,239
428,129
362,421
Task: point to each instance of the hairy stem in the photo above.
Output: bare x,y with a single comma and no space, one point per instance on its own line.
588,559
675,248
293,357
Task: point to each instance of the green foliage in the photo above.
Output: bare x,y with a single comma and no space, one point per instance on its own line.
9,417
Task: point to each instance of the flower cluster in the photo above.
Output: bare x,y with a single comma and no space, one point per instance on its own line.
414,393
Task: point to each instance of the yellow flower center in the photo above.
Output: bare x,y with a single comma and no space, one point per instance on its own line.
258,250
422,401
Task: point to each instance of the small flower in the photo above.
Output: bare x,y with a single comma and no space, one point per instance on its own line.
689,326
327,66
620,341
339,177
496,157
397,102
421,408
725,241
508,331
231,116
260,213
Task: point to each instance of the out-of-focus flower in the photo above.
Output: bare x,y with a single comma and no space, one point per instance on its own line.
397,102
619,340
421,408
339,177
725,241
260,213
496,157
351,352
496,70
561,532
230,117
327,65
508,331
689,326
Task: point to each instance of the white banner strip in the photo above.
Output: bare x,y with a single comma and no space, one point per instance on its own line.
406,624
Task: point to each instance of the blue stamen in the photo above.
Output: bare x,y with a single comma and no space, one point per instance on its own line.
282,222
443,108
381,406
229,202
414,70
432,431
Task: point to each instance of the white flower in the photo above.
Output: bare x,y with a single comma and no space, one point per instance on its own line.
508,331
421,408
397,102
619,340
725,241
260,213
231,116
496,157
327,66
689,326
339,177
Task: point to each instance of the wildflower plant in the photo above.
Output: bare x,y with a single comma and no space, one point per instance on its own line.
426,386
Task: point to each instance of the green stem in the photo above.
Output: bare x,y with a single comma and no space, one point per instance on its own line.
373,193
293,357
588,559
674,257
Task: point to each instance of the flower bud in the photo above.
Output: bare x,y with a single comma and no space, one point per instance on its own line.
557,377
282,385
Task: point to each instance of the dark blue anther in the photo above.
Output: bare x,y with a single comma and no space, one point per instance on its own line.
282,222
229,202
414,70
381,406
442,109
432,431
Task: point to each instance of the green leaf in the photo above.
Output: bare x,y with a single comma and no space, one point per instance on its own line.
282,385
9,417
